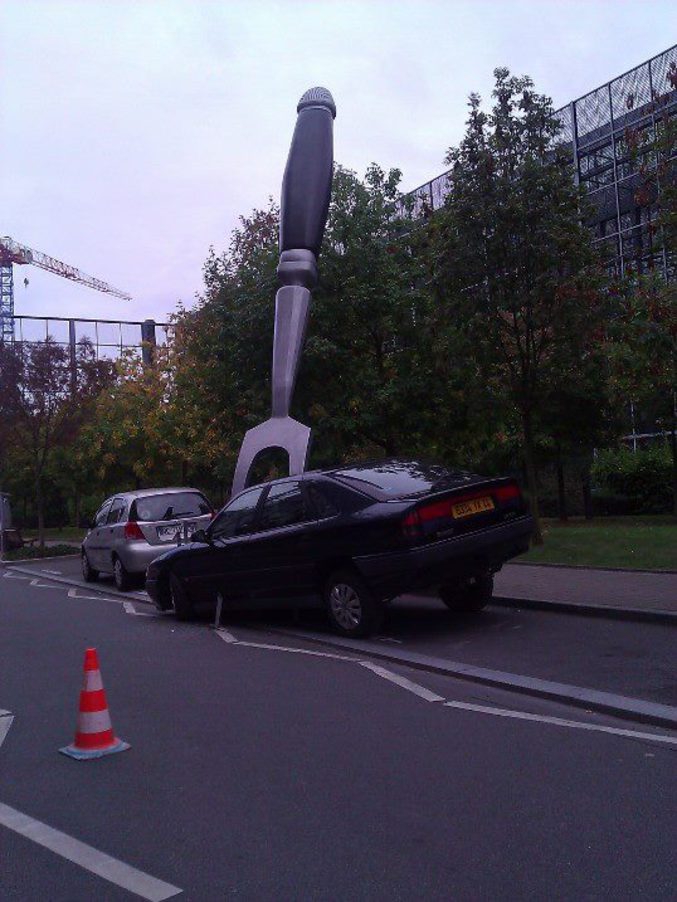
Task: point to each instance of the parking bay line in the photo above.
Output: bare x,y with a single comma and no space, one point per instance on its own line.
561,722
130,609
87,857
426,694
6,720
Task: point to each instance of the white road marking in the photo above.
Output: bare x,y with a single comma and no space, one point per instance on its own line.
9,575
388,639
130,609
73,593
87,857
561,722
297,651
55,572
403,682
39,585
6,720
226,636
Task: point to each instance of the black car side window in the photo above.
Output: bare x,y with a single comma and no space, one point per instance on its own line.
323,505
284,506
237,518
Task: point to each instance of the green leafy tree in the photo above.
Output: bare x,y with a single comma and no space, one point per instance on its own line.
511,259
45,398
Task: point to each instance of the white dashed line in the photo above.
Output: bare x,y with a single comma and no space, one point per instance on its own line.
9,575
87,857
39,585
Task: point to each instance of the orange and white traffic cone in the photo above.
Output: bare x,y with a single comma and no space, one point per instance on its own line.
94,735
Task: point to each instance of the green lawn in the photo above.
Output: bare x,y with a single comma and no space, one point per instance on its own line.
639,543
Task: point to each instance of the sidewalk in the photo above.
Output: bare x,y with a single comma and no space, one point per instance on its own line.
635,595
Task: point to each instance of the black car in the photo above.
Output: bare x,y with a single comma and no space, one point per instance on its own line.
350,539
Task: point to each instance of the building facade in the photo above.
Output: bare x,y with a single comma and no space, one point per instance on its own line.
612,134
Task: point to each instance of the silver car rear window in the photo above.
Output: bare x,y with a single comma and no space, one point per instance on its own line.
169,506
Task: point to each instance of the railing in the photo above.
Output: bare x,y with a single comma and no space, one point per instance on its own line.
109,338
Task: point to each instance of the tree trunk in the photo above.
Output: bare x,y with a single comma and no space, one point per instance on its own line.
673,449
40,505
76,509
587,494
561,491
530,466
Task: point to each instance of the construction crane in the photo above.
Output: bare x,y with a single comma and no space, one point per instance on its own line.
12,252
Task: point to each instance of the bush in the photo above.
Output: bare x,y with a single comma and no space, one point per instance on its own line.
633,482
29,552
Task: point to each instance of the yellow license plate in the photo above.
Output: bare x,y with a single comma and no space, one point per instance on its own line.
468,508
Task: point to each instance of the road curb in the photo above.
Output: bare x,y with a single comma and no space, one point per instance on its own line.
634,709
588,610
629,570
84,587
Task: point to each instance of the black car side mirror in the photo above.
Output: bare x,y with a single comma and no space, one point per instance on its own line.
200,535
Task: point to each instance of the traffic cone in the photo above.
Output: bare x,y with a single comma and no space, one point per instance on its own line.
94,735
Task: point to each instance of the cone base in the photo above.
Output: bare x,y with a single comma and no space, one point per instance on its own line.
82,754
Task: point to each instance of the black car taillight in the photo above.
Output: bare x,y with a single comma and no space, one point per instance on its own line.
411,525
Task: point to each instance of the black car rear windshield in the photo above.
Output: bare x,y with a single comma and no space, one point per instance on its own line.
169,506
400,479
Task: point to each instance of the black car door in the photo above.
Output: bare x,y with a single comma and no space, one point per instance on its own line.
281,550
221,566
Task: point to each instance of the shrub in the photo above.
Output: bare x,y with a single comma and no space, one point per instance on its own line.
633,482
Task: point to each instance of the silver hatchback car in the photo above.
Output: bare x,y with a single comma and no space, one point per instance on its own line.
131,529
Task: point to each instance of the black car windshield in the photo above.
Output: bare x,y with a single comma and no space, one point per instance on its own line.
169,506
400,478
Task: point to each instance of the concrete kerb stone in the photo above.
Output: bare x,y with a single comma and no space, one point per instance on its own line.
642,615
629,570
637,710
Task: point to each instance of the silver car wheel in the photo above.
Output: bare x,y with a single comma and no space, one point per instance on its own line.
345,606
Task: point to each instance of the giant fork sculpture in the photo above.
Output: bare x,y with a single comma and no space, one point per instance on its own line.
306,190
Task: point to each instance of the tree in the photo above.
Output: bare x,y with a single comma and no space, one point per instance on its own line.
512,262
642,351
45,397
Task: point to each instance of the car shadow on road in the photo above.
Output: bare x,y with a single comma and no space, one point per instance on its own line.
407,619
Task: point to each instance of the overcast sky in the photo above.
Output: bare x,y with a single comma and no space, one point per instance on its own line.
133,134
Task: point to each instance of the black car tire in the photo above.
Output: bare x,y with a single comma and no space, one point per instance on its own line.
181,603
351,606
123,579
89,574
469,596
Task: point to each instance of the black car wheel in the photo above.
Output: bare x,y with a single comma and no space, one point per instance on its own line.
89,574
468,596
123,579
351,606
181,603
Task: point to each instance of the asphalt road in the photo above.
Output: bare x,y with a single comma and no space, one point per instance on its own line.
263,773
634,659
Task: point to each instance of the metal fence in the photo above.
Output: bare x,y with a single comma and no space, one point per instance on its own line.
610,133
109,338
